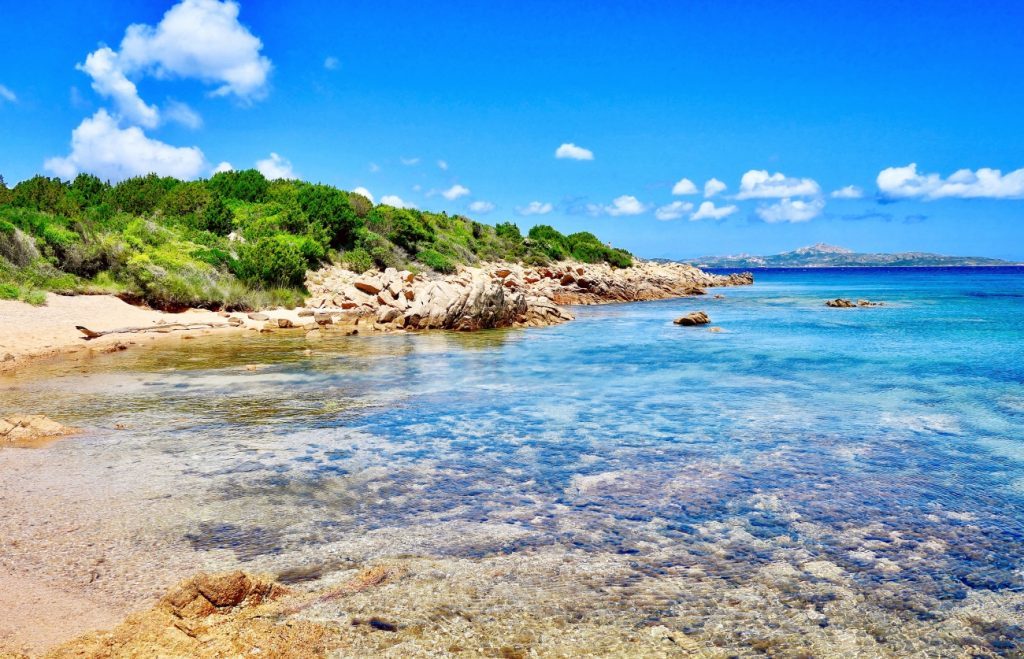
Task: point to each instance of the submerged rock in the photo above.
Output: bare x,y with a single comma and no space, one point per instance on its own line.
31,428
843,303
691,319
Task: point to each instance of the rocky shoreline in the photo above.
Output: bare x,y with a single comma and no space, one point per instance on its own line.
485,296
493,295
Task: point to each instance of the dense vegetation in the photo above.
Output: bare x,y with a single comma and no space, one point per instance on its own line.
236,240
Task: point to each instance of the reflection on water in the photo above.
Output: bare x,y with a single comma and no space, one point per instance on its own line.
809,478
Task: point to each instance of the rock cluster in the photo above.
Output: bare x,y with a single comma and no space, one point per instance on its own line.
843,303
212,615
206,594
30,428
492,295
694,318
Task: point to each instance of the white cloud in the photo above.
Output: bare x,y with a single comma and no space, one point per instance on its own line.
181,113
7,95
331,63
396,201
712,187
108,79
791,211
224,166
481,206
847,192
625,205
99,146
684,187
535,208
199,39
906,183
573,152
275,167
759,184
454,192
708,211
374,168
673,211
410,161
442,165
366,193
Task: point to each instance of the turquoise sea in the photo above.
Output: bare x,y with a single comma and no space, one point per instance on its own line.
806,479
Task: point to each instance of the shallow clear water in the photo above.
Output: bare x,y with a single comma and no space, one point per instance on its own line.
856,474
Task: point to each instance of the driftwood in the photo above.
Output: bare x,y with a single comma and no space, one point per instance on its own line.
163,329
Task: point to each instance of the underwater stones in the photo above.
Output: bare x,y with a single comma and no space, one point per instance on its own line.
30,428
692,319
284,323
825,570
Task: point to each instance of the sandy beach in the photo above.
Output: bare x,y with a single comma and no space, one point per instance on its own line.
30,333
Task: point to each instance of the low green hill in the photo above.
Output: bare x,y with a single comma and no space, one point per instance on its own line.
237,240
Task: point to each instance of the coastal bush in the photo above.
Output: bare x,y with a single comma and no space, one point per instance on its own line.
357,260
436,261
88,191
549,241
15,246
329,207
141,195
9,292
165,241
247,185
279,260
40,193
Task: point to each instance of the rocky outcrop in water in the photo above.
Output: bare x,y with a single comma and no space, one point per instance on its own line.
843,303
211,615
27,428
497,295
692,319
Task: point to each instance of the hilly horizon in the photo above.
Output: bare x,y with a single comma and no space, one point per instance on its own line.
824,255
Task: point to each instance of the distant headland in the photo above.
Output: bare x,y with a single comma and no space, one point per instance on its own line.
822,255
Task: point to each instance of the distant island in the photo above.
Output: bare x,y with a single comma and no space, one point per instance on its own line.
822,255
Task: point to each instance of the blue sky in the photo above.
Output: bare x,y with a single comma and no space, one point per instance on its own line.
797,100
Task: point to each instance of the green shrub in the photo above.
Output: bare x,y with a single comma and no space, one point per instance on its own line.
17,247
508,231
330,208
278,260
380,249
436,261
141,195
408,230
216,217
88,191
34,297
247,185
357,260
9,292
40,193
550,241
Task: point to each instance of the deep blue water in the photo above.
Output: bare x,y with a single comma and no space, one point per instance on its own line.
877,452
